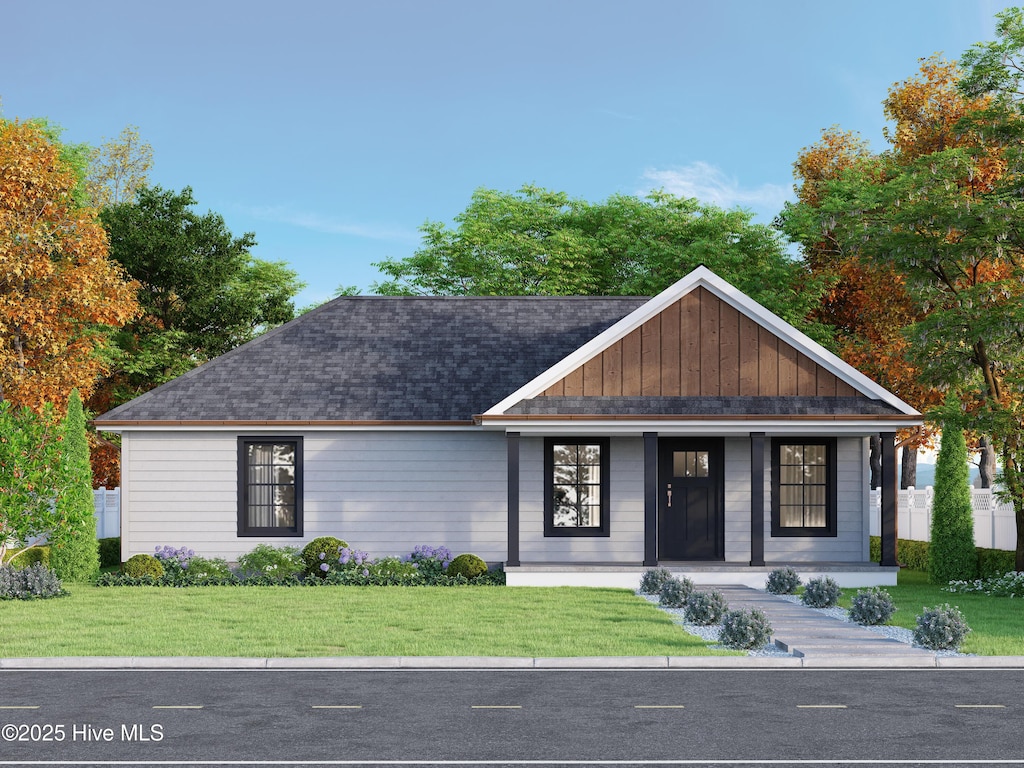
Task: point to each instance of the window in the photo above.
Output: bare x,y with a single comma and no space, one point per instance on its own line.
803,487
576,487
269,486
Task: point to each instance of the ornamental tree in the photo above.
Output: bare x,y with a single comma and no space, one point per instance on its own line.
951,553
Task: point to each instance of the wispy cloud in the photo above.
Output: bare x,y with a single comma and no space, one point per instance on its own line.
710,184
332,225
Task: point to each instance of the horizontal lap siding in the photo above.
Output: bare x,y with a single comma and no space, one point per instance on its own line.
382,492
626,521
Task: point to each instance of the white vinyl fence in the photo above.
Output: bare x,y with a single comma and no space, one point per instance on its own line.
994,523
108,512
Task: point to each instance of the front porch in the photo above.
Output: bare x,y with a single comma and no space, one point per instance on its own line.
627,576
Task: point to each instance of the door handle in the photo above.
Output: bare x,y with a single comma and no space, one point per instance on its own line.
670,494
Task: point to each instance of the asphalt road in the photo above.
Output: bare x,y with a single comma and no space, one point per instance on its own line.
688,717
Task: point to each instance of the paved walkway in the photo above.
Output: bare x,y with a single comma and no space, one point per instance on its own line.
805,632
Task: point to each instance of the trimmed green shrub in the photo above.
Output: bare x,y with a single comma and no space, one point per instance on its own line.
872,606
74,552
705,608
782,581
914,555
138,566
467,565
674,592
35,581
995,562
745,629
822,592
321,551
272,562
952,553
110,552
652,580
30,556
941,628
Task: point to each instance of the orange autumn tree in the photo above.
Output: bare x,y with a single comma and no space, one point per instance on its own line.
868,304
60,295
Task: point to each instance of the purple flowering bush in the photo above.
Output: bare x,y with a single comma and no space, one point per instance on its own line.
168,555
430,561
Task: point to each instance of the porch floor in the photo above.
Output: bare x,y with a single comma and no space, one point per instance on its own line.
627,575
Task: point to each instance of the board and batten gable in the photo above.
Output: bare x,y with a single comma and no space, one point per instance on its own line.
383,492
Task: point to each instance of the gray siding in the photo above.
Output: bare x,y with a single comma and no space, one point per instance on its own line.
625,544
383,492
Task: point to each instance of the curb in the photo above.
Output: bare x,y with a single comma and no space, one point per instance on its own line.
384,663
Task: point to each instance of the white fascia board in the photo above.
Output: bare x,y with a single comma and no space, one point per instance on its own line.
703,277
704,428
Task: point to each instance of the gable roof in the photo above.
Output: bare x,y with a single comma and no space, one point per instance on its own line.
382,358
815,371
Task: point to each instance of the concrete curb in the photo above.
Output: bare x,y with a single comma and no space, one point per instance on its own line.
384,663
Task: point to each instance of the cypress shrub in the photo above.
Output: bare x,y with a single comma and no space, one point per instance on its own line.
74,550
952,554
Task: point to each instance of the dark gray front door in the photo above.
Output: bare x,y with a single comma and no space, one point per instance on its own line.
690,515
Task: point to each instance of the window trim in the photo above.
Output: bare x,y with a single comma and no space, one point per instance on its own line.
830,529
244,529
550,529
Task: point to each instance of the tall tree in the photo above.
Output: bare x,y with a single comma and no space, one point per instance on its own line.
951,552
60,295
538,241
74,551
118,169
202,293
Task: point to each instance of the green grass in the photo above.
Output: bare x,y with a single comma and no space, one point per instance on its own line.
342,621
997,623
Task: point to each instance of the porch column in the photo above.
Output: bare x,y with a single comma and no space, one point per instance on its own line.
889,498
512,440
757,498
650,498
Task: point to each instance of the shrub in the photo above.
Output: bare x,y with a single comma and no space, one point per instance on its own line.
35,581
705,608
745,629
322,550
872,606
110,552
674,592
941,628
782,581
207,569
467,565
822,592
651,581
30,556
138,566
952,554
914,555
1010,584
430,561
272,562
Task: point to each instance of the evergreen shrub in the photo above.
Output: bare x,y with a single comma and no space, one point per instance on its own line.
35,581
942,628
782,581
652,580
110,552
745,629
141,565
706,608
467,565
952,553
674,592
322,551
872,606
822,592
30,556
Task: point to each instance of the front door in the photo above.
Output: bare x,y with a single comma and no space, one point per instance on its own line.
690,516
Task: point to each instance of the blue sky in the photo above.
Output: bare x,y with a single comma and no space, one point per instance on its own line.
334,129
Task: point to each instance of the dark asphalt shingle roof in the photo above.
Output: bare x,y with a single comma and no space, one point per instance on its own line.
385,358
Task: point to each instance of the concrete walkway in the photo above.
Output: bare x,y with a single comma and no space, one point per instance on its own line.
807,633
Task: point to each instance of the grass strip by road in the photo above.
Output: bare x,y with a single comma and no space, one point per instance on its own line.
342,621
997,623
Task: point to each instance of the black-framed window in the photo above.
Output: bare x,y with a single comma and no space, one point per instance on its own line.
270,486
804,496
576,495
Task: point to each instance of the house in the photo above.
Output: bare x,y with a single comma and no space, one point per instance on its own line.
576,440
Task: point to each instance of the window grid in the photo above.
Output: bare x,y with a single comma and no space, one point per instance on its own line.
269,486
576,487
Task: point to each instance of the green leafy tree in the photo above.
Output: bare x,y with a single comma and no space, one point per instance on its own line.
74,550
118,169
29,476
951,553
202,293
537,241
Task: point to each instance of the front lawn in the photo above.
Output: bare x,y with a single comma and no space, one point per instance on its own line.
997,623
342,621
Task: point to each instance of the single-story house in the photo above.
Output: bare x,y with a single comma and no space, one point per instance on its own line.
575,440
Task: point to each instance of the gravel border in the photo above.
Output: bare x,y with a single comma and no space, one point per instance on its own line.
709,634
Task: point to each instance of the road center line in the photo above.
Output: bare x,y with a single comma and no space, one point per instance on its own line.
658,706
177,706
980,706
337,706
12,706
821,706
495,706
